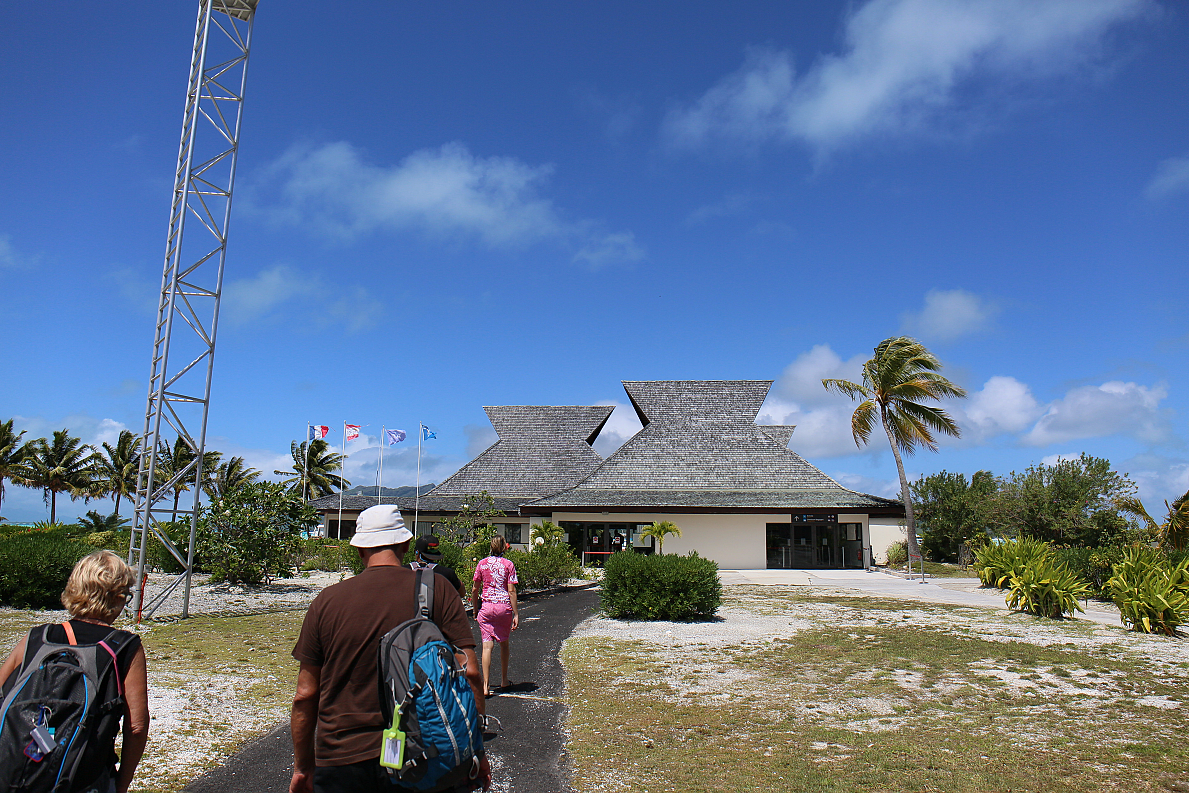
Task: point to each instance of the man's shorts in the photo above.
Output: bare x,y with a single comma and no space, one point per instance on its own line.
366,777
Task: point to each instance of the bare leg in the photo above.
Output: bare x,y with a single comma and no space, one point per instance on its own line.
487,667
504,660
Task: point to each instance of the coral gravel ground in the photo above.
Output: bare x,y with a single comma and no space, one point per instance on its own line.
794,687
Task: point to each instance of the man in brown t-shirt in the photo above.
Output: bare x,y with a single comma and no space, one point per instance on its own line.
336,721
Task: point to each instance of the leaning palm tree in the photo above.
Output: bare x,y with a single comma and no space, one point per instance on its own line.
12,453
118,466
171,460
64,465
1174,532
660,530
313,473
227,477
901,372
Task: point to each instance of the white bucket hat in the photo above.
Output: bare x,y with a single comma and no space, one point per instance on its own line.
380,525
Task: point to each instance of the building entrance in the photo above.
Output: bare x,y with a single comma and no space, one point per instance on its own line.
793,546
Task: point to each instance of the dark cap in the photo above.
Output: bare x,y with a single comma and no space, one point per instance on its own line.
427,547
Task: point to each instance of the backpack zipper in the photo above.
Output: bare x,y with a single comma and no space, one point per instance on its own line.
445,721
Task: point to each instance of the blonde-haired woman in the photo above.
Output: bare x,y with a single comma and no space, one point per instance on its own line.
494,587
98,588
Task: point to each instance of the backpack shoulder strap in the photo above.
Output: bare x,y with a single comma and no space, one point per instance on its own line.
423,591
66,626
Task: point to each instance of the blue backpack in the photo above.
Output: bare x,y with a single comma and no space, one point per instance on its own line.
436,734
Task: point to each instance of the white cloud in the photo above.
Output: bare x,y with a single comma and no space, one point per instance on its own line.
250,298
1113,408
730,204
801,380
445,192
887,488
949,314
623,424
479,438
1172,176
11,258
1003,405
901,63
281,290
1159,479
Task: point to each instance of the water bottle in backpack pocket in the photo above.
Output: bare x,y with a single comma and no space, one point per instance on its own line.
60,714
435,734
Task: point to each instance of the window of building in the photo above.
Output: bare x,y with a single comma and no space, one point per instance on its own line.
512,533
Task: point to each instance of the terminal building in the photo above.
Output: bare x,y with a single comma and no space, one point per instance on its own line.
738,493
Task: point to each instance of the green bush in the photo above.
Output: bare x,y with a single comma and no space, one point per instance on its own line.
545,566
329,555
34,567
1095,565
656,587
898,553
1046,588
253,533
1152,595
158,557
997,562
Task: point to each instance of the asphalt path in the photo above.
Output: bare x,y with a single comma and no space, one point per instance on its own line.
527,756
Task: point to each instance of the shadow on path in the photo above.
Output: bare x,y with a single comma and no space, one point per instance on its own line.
526,757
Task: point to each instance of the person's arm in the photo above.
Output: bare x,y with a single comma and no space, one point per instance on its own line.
475,678
512,598
13,661
302,722
136,719
477,591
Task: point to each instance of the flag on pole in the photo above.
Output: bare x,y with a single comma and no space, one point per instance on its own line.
352,431
395,437
318,431
426,433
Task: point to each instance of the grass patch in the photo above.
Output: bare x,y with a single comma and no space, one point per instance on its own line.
939,570
865,700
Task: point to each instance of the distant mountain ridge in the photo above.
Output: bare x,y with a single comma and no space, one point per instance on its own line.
408,491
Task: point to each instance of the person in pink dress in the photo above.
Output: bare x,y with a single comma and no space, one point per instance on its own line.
495,589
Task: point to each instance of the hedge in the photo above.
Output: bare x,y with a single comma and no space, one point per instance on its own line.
656,587
34,567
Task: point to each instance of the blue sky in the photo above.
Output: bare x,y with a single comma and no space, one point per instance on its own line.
444,206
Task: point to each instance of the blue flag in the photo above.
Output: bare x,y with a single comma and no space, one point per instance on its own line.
395,437
426,434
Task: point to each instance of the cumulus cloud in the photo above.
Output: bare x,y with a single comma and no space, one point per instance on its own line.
902,62
1159,479
886,488
949,314
444,192
1003,405
1172,176
623,424
1113,408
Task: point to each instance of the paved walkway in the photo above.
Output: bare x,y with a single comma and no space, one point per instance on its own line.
955,591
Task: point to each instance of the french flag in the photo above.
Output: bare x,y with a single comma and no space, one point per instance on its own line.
318,431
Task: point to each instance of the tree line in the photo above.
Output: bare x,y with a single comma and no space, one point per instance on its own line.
1074,503
63,464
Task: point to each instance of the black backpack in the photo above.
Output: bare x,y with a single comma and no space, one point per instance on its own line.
60,714
435,735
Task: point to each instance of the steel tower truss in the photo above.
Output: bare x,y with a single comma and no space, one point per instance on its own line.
191,284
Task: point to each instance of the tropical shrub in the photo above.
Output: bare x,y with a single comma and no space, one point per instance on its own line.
547,533
253,533
34,567
1095,565
329,555
898,553
656,587
997,562
545,566
158,557
1152,596
1046,588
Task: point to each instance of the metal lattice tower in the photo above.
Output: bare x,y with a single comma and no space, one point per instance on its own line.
191,284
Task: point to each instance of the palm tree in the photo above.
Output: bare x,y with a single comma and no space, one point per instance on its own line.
118,467
547,533
1174,532
177,458
901,372
65,465
12,453
313,473
660,530
95,522
227,477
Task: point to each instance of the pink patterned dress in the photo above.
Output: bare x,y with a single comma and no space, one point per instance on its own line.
495,616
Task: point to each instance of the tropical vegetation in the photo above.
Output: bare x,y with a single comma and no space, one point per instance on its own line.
313,474
896,379
659,530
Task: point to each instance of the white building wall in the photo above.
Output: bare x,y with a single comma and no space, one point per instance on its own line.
734,541
884,532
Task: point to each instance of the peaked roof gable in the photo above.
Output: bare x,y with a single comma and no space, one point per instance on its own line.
702,435
541,450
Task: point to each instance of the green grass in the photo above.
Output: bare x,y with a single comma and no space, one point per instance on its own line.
859,705
939,570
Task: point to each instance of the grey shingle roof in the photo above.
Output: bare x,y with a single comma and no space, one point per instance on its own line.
509,506
700,446
541,449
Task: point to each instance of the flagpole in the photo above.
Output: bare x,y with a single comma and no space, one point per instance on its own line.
380,475
417,487
342,467
305,468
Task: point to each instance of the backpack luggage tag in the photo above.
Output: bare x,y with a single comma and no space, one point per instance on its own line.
392,753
